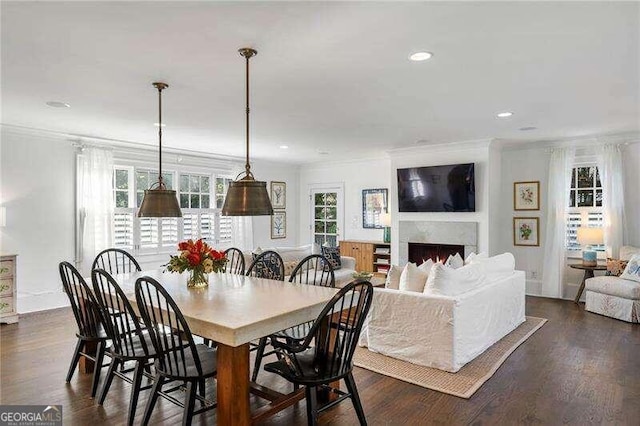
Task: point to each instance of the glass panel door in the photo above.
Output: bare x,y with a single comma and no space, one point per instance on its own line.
326,215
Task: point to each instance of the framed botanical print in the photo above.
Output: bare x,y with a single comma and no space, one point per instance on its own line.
374,203
278,225
526,231
278,195
526,195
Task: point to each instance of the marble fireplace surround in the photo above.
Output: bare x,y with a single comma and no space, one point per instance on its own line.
435,232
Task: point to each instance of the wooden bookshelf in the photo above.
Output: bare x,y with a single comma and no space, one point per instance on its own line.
371,256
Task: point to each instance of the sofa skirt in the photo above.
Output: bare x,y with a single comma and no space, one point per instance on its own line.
613,306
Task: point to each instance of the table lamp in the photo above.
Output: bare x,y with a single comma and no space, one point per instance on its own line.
385,220
588,237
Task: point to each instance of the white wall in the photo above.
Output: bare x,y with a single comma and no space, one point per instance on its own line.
468,152
522,165
531,164
37,187
356,176
38,190
268,171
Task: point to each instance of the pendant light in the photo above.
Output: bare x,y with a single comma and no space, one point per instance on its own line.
159,201
247,196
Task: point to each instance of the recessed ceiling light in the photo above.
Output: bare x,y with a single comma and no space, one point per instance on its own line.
420,56
527,128
284,147
158,125
321,152
57,104
504,114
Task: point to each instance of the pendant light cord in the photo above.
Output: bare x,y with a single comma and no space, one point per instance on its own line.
247,166
160,182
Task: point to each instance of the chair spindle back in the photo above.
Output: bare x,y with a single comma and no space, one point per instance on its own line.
235,261
314,270
345,314
116,261
170,333
120,321
83,302
267,264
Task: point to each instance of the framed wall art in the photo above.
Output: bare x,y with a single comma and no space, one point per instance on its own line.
526,195
526,231
278,225
278,195
374,203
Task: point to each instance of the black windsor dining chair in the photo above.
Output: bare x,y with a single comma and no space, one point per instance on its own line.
178,359
131,341
335,335
90,328
267,264
315,270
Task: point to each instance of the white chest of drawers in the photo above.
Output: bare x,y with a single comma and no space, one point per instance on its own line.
8,292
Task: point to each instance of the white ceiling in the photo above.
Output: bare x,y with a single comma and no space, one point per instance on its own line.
328,76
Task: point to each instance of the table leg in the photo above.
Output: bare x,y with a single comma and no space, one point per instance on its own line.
86,365
233,385
588,273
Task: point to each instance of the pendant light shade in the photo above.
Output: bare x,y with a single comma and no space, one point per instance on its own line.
159,201
247,196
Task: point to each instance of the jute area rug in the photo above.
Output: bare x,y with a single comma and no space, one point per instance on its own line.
463,383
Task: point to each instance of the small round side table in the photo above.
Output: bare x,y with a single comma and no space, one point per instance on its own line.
588,273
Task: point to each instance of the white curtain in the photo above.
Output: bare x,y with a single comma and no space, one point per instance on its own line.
609,160
95,204
560,167
242,234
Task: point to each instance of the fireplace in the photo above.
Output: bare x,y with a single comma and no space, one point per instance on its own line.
440,234
419,252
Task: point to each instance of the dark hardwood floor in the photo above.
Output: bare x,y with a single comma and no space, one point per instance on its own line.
580,368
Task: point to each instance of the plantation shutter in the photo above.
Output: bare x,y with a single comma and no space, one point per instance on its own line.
123,229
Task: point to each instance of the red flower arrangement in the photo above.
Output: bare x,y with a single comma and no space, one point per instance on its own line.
198,258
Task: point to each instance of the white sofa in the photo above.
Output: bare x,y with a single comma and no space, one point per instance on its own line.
292,255
444,332
615,297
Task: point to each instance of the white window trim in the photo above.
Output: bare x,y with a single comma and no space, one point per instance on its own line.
132,164
584,212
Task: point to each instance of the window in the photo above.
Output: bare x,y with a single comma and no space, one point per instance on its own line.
153,235
585,204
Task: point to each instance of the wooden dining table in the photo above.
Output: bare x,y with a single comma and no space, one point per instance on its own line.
233,311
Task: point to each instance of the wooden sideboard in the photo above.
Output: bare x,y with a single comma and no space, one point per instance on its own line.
371,256
8,292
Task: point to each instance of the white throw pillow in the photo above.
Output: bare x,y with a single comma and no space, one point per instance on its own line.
426,266
454,262
452,282
502,264
393,277
472,256
627,252
632,271
412,278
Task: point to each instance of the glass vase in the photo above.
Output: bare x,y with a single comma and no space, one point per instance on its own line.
197,279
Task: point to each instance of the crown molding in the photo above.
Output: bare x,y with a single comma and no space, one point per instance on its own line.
574,142
330,162
442,147
119,146
128,149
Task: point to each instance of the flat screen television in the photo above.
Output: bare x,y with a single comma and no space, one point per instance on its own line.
437,189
